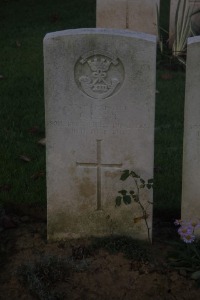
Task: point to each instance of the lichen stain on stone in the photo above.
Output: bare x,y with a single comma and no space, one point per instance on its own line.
58,223
129,158
111,174
87,188
72,170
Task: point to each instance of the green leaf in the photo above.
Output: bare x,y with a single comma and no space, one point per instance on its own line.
132,192
127,199
149,186
125,175
142,180
118,200
134,175
142,186
150,180
122,192
196,275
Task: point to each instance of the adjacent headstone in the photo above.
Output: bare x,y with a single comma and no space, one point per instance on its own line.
191,147
193,5
100,102
137,15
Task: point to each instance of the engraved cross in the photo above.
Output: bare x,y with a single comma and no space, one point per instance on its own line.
99,165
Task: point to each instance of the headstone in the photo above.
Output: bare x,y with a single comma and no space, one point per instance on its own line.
193,5
137,15
100,98
191,147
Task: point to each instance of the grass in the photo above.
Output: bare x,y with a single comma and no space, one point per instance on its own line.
168,127
168,143
23,25
164,17
132,249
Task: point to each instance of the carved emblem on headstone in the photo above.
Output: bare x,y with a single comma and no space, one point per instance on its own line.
99,74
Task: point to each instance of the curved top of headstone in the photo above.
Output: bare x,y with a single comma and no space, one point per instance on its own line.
104,31
194,39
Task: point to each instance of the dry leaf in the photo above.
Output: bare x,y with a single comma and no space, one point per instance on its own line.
33,130
18,44
166,76
136,220
25,158
37,175
42,142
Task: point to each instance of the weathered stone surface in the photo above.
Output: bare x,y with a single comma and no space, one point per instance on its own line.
191,146
137,15
100,98
194,6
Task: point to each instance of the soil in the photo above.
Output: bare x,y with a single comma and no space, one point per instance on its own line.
93,272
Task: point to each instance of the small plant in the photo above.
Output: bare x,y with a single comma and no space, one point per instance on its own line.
184,28
133,249
188,253
187,230
134,194
42,275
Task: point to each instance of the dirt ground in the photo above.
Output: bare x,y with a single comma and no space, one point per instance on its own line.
96,274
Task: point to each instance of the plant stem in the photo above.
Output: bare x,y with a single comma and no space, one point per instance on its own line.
143,209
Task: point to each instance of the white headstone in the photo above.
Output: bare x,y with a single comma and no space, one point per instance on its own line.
100,98
191,147
194,5
137,15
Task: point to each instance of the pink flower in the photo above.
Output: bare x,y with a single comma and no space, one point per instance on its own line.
195,223
177,222
188,238
185,230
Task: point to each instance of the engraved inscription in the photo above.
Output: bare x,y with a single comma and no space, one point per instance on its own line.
95,127
98,165
194,126
99,74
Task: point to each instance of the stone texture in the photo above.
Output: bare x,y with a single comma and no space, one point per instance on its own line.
194,5
100,103
137,15
191,146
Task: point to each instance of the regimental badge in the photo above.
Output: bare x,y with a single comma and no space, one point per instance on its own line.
99,74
